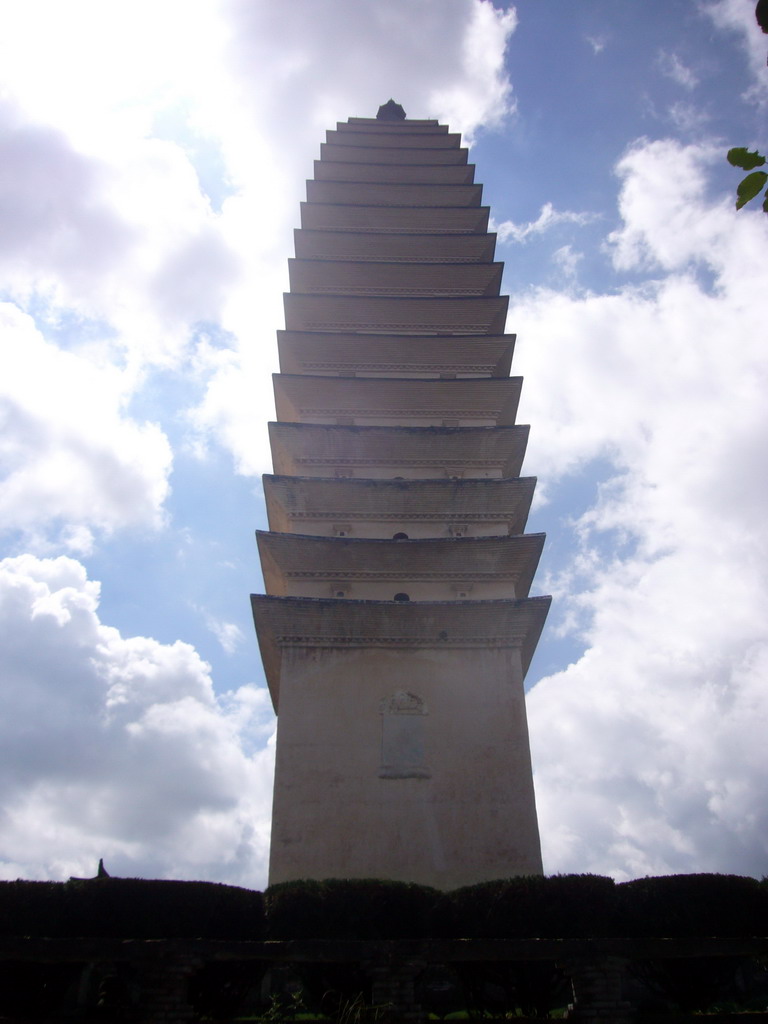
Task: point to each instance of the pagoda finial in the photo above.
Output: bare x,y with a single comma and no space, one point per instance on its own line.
390,111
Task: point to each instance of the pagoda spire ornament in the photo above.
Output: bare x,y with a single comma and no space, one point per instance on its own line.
390,111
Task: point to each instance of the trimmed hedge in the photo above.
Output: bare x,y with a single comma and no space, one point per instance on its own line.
352,908
693,905
131,908
534,906
561,906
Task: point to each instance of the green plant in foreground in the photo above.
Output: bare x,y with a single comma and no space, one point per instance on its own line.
354,1011
284,1008
755,182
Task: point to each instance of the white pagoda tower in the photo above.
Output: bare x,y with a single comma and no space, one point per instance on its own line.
397,629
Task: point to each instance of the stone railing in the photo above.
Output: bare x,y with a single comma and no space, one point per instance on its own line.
183,980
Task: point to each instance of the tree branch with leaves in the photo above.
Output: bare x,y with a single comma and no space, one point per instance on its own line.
755,182
740,156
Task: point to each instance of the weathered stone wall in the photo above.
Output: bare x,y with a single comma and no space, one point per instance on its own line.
437,794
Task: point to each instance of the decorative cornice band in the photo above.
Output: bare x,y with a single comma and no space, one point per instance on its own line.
398,641
390,290
336,411
405,574
365,257
441,517
398,229
431,367
332,460
399,326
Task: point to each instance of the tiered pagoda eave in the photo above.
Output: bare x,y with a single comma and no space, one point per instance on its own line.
397,629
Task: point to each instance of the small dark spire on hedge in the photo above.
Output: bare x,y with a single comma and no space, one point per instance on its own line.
101,872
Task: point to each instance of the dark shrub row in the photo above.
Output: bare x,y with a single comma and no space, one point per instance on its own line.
701,905
562,906
131,908
353,908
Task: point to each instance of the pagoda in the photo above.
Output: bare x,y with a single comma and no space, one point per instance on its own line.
396,628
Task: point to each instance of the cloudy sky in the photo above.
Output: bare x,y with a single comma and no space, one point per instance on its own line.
152,160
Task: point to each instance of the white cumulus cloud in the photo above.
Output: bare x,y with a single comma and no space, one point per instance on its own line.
649,749
673,67
71,459
549,217
117,747
738,16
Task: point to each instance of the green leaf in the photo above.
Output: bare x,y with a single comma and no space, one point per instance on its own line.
765,203
740,156
750,187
